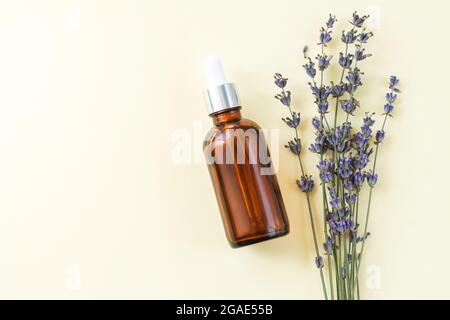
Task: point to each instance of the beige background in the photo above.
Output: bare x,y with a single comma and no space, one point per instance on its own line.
92,204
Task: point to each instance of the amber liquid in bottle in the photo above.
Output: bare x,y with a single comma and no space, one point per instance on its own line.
246,187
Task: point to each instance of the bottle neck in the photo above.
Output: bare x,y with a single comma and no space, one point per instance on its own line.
224,116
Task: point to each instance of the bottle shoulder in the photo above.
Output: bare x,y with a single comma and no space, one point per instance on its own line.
219,132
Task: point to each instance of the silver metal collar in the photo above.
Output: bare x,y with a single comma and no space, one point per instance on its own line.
221,98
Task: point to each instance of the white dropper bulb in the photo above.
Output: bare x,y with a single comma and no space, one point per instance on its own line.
214,72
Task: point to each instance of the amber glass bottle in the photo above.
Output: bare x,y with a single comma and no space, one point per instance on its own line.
245,184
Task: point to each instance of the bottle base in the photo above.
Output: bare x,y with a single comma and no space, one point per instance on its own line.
258,237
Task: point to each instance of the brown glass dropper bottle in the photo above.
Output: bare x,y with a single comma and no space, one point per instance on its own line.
239,163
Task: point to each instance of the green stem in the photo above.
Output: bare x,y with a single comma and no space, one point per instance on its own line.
313,228
368,206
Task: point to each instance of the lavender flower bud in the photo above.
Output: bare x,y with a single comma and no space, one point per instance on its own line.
335,203
325,165
343,146
326,177
393,81
309,67
324,37
372,179
344,173
306,184
361,162
349,37
363,37
323,61
358,179
390,97
294,122
337,90
284,97
357,20
332,191
323,107
321,93
294,145
345,61
350,198
349,106
388,108
331,20
319,262
367,121
280,81
317,124
379,136
353,77
360,55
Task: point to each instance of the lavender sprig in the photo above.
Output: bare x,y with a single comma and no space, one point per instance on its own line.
390,97
344,153
305,183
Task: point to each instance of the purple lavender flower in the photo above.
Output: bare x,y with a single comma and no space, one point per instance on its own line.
317,124
326,177
319,262
388,108
332,191
294,145
371,178
323,107
349,37
335,203
349,106
280,81
390,97
325,165
379,136
344,172
359,53
345,61
284,97
331,20
350,198
346,128
358,20
345,167
332,138
323,61
324,37
337,90
358,179
393,81
321,93
309,67
319,146
363,37
326,168
368,121
361,161
343,146
306,184
293,122
354,77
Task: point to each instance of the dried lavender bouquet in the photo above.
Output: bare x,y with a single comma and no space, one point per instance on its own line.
347,157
